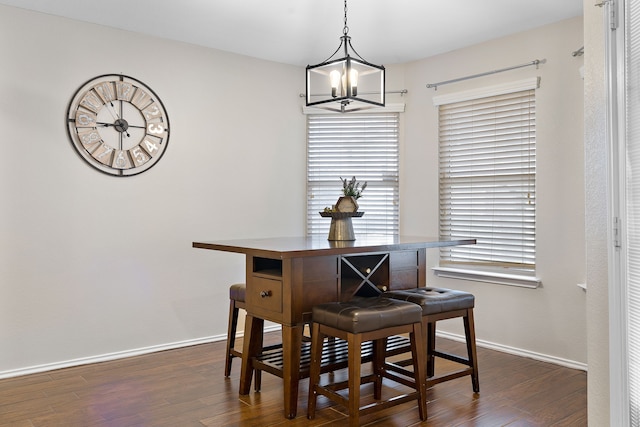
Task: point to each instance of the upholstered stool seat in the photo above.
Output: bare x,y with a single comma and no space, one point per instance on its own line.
439,304
237,292
358,321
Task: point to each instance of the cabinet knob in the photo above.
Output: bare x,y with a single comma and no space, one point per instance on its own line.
265,294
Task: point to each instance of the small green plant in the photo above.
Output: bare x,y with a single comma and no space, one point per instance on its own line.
352,188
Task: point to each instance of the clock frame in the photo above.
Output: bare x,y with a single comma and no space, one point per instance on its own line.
118,125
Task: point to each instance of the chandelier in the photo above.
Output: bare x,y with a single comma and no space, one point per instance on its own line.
346,84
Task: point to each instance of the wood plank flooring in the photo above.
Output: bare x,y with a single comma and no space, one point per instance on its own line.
187,387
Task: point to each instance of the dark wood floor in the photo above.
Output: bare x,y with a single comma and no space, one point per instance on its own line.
186,387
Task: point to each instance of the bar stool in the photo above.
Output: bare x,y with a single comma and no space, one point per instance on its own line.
439,304
237,295
358,321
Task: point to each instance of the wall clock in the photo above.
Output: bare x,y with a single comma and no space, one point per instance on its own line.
118,125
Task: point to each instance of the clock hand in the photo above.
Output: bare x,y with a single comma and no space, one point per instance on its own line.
112,110
120,125
115,124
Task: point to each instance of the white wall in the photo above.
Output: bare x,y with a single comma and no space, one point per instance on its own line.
91,264
548,321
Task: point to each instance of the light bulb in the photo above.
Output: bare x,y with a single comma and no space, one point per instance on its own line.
334,77
353,78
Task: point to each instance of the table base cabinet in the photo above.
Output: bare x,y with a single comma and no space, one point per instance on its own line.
285,291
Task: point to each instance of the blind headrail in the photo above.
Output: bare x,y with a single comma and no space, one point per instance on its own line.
535,62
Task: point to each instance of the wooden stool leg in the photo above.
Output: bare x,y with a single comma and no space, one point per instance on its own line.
317,341
470,334
418,350
354,342
231,336
379,350
257,376
431,346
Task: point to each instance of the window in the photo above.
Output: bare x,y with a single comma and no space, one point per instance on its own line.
625,284
487,164
347,145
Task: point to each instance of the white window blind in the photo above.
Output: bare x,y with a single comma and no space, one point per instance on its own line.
347,145
632,130
487,166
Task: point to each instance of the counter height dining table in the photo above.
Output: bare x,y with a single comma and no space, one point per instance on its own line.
287,276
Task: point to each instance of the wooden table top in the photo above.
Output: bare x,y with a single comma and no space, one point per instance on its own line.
290,247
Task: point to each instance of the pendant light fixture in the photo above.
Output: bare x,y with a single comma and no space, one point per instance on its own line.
346,84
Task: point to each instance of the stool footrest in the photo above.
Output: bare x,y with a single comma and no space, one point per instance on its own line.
331,391
405,378
380,405
345,384
452,357
333,395
437,379
398,367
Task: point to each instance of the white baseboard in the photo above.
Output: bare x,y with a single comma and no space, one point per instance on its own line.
518,352
170,346
119,355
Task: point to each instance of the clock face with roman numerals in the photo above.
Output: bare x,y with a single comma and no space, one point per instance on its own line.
118,125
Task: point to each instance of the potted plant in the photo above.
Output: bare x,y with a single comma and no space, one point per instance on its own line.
345,208
351,191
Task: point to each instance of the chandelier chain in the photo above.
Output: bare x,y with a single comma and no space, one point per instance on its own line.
345,30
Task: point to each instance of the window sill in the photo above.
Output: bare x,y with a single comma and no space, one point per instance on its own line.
489,277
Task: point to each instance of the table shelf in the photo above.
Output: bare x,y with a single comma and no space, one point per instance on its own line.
334,355
267,266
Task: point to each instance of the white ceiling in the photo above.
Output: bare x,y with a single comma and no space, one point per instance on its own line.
303,32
